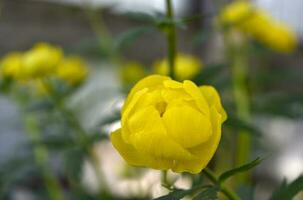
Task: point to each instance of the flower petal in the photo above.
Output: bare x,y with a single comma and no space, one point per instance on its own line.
187,126
205,151
148,82
213,99
195,93
137,158
148,135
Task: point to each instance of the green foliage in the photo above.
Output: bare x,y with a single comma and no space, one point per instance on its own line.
224,176
209,74
279,104
129,37
176,194
288,191
142,17
207,194
74,160
235,123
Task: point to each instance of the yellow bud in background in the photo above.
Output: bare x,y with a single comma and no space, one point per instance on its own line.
11,65
41,60
258,24
72,70
186,67
280,38
170,125
131,73
236,12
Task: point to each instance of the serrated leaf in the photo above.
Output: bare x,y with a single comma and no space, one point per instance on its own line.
207,194
127,38
175,195
288,191
223,177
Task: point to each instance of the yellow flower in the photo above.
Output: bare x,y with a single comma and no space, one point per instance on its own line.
72,70
11,65
236,12
279,38
260,25
170,125
131,73
41,60
186,67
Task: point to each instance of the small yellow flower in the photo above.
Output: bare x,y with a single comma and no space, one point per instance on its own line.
11,65
170,125
72,70
257,23
186,67
41,60
131,73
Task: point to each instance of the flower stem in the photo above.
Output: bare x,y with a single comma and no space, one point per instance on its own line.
164,180
237,55
42,158
212,177
171,38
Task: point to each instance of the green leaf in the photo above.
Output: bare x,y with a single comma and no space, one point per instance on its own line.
234,122
140,16
279,104
209,73
175,195
201,38
288,191
41,105
223,177
74,163
127,38
207,194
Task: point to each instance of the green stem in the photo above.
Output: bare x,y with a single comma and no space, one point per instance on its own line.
212,177
164,180
171,39
42,158
239,67
98,26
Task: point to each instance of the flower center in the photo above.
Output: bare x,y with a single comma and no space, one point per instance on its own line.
161,107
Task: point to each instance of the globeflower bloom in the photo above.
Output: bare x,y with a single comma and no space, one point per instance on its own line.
72,70
41,60
170,125
186,67
259,25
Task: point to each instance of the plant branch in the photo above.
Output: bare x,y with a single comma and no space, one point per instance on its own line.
212,177
171,39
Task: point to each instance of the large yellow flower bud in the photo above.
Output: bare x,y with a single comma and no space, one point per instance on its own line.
72,70
41,60
170,125
186,67
11,65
